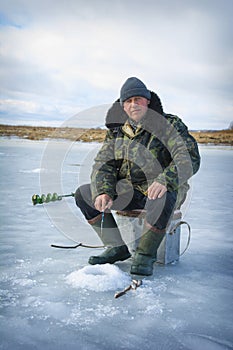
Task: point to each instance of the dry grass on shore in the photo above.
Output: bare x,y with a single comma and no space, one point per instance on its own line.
40,133
224,137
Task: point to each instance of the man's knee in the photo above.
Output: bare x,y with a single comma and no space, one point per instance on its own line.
160,210
82,195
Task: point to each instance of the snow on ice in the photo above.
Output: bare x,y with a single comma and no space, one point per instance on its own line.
52,299
99,278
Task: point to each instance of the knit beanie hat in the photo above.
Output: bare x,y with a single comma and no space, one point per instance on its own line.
134,87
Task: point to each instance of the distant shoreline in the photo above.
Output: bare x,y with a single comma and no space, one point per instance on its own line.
217,137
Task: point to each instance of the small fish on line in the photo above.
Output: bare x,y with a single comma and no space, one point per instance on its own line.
134,285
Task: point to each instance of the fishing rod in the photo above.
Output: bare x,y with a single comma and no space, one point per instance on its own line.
134,285
36,199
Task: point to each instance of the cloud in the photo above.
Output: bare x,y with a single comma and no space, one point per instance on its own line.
68,56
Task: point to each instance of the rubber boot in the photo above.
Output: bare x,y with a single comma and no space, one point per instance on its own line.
146,251
111,238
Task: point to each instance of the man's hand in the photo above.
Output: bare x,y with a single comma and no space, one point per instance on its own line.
156,190
102,202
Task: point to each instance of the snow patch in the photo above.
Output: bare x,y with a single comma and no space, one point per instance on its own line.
99,278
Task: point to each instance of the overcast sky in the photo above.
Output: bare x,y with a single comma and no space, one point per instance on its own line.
59,58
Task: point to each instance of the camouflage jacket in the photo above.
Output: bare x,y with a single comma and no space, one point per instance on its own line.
160,149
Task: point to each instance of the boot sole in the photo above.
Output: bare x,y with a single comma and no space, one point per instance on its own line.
112,261
143,271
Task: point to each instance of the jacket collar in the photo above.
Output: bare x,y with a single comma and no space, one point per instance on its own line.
130,131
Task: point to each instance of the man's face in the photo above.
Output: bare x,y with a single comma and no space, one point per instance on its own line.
136,107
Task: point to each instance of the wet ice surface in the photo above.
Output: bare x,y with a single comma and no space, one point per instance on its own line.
49,301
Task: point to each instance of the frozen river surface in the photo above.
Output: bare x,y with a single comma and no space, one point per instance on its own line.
51,299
